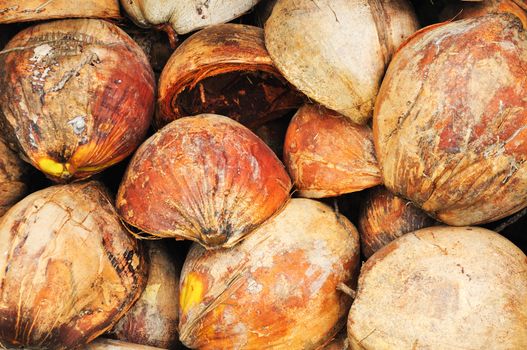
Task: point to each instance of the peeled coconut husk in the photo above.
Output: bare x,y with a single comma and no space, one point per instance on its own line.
153,319
109,344
275,289
449,125
327,155
468,9
12,11
442,288
77,96
336,51
205,178
383,217
184,16
13,178
69,269
224,70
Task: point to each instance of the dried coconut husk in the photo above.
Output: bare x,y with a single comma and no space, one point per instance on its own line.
109,344
275,289
336,51
383,217
76,95
12,11
327,155
153,319
442,288
13,178
468,9
226,70
449,125
205,178
69,269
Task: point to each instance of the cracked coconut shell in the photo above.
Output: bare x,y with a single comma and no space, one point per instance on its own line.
442,288
226,70
68,268
153,319
383,217
469,9
275,289
205,178
336,51
12,11
13,178
77,96
450,121
327,155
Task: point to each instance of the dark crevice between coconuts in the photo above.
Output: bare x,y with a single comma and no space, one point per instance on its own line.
249,97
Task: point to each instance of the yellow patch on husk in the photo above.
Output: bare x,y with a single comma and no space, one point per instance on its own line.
52,167
191,292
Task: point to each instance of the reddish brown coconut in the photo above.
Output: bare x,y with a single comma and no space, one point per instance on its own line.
442,288
277,288
76,95
449,124
383,217
13,178
153,319
205,178
69,269
327,155
225,70
469,9
12,11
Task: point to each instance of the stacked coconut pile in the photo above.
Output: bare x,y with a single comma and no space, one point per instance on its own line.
315,174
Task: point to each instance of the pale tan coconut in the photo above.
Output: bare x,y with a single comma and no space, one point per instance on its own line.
110,344
336,51
68,267
12,11
442,288
277,289
184,16
13,177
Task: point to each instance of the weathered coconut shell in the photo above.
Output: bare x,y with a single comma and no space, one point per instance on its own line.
205,178
327,155
153,319
442,288
336,51
13,178
468,9
226,70
69,269
276,289
383,217
185,16
449,126
12,11
109,344
77,96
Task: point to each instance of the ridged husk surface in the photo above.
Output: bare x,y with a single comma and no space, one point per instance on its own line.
205,178
224,69
449,125
68,268
77,96
12,11
153,319
383,217
185,16
327,155
277,289
13,178
442,288
336,51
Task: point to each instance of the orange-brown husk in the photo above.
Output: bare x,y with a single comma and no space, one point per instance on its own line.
228,49
77,96
469,9
277,288
327,155
69,269
205,178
